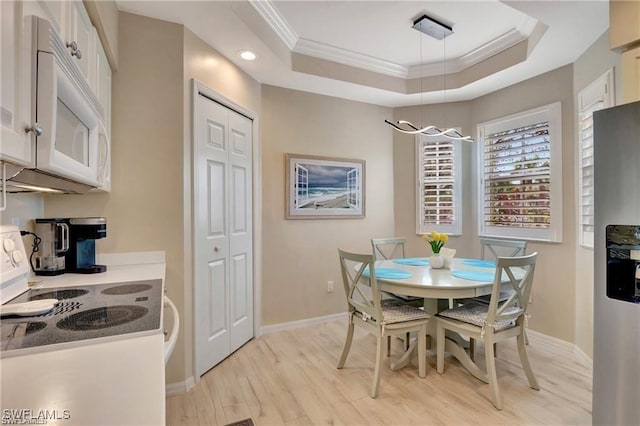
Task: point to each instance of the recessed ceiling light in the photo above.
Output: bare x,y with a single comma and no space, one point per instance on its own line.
247,55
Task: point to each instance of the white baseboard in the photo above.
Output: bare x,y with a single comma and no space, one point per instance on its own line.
179,387
562,345
583,358
301,323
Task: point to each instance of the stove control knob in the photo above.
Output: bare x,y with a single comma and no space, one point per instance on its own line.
16,256
8,245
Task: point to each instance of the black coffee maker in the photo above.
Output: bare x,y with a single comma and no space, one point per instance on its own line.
81,256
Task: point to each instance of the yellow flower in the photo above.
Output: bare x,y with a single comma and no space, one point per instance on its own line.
436,240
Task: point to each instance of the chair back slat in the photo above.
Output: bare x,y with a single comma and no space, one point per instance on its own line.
501,248
361,291
388,248
519,274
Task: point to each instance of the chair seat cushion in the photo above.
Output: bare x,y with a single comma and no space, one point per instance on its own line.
476,313
394,311
504,295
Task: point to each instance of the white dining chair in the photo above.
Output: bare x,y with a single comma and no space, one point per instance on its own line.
382,318
497,321
393,248
492,249
388,249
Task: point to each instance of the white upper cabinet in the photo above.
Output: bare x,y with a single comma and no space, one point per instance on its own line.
54,12
78,35
15,102
102,83
72,23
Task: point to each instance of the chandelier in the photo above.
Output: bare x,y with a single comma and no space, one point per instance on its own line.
439,31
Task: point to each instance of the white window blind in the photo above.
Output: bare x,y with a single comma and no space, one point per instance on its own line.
439,189
520,175
594,97
517,177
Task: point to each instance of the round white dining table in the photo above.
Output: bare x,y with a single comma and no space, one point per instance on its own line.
433,284
437,283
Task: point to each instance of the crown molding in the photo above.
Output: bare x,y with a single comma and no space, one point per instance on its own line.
350,58
295,43
277,23
487,50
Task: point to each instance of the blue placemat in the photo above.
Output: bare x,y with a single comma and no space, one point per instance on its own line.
412,262
474,275
389,273
480,263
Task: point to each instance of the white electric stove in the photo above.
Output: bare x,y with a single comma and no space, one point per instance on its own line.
97,379
78,314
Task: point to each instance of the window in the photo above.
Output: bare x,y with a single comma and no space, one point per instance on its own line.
597,95
520,166
439,197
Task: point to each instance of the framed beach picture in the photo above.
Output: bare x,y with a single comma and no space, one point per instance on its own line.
324,187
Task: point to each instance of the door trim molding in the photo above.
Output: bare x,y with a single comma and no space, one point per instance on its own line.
200,88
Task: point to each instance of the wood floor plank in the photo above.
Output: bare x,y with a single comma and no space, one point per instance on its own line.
290,378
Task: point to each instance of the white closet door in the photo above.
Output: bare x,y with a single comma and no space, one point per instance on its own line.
223,258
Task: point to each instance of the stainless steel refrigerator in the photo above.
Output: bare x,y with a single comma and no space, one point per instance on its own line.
616,320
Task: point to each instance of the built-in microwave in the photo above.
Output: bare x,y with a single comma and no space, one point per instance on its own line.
67,130
67,111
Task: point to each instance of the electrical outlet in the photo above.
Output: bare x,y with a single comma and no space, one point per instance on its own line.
330,286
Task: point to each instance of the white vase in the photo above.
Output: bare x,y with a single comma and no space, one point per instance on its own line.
436,261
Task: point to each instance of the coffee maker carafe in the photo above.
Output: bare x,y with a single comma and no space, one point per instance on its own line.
54,243
81,256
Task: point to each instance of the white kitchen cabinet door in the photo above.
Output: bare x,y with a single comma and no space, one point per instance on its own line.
79,30
15,102
223,232
53,11
102,86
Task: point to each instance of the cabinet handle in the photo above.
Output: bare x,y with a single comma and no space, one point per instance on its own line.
35,129
73,46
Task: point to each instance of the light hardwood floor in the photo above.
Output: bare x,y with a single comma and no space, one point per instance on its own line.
290,378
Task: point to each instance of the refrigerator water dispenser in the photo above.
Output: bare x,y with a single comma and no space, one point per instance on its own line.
623,262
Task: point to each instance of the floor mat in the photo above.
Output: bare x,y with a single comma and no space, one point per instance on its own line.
245,422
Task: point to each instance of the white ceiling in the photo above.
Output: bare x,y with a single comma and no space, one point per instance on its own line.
374,40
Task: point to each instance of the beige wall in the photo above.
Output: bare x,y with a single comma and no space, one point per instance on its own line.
300,256
553,308
144,208
552,311
588,67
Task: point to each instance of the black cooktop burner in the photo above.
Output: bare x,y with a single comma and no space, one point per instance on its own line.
84,313
98,318
126,289
60,294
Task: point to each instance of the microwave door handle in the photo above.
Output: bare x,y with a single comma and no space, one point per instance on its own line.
64,241
4,188
105,141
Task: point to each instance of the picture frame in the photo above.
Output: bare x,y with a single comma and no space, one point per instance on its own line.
324,187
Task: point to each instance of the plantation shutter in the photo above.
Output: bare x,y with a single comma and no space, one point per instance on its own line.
596,96
517,177
586,166
438,178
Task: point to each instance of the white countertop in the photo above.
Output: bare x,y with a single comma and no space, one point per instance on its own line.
119,382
